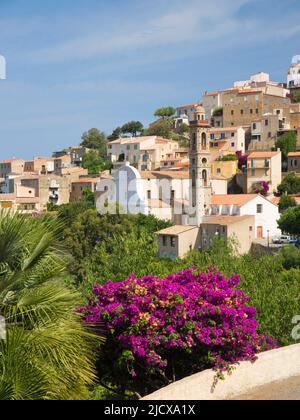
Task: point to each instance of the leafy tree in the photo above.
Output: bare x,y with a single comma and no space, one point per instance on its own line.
133,127
96,140
165,112
218,111
151,223
290,185
296,98
291,256
289,221
183,129
47,352
228,158
287,143
116,134
94,163
88,196
286,201
162,128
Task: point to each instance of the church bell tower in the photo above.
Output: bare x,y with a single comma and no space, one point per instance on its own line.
200,168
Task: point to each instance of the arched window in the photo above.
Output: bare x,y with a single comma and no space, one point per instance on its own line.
193,178
194,141
203,140
204,177
204,161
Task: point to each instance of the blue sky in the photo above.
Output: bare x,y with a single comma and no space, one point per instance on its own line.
77,64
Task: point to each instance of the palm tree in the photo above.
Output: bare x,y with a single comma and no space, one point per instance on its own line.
47,353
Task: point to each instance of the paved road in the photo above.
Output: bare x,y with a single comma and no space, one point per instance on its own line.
283,391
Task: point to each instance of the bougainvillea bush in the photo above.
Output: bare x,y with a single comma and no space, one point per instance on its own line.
262,187
161,330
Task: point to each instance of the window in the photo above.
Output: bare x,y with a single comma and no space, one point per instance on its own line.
269,135
235,210
232,112
259,208
215,210
193,178
164,238
149,195
219,171
257,111
266,123
173,242
212,136
128,147
232,134
194,141
242,112
223,136
225,210
135,147
204,177
203,140
232,144
251,111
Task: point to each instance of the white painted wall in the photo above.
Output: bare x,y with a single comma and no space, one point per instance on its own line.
267,219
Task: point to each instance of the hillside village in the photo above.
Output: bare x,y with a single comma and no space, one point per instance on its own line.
217,176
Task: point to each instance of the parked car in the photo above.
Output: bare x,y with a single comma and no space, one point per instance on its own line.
283,239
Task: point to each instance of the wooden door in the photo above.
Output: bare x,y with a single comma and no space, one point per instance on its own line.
259,232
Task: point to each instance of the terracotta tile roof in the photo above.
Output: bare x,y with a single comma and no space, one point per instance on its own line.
225,129
262,155
226,220
190,105
11,161
158,204
86,180
181,174
275,200
212,94
7,197
232,199
294,154
176,230
27,200
172,174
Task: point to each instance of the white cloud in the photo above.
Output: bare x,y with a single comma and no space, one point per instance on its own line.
187,23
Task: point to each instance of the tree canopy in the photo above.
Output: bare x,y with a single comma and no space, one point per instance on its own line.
116,134
133,127
94,163
290,185
47,352
286,201
296,98
287,143
289,221
96,140
165,112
